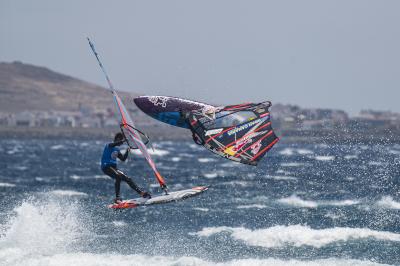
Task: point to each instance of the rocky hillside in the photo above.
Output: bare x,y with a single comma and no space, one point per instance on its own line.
32,88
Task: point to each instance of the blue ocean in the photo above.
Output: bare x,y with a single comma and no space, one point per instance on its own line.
304,204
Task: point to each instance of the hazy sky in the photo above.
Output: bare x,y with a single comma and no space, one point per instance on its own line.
336,54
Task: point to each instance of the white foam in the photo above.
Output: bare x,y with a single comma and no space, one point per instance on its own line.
296,201
252,206
388,202
324,158
304,151
334,216
229,164
119,223
210,175
187,155
236,183
84,144
20,167
251,175
350,157
177,186
7,185
281,171
292,164
108,259
75,177
101,177
40,229
155,152
395,152
297,235
286,152
290,152
205,160
201,209
57,147
176,159
285,178
195,147
14,150
11,151
340,202
396,146
68,193
214,174
375,163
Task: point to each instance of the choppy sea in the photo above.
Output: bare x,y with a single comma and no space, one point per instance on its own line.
304,204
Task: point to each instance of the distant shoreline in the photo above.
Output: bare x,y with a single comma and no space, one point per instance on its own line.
86,133
172,133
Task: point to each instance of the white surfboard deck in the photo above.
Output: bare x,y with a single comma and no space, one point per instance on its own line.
159,199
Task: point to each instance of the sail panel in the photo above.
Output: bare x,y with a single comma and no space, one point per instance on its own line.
134,137
241,133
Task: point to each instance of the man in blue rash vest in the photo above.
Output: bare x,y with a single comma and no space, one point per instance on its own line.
109,167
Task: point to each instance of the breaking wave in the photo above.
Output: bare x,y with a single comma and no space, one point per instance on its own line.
297,235
388,202
90,259
38,229
52,233
299,202
7,185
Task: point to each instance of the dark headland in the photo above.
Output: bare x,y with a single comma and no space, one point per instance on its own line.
38,103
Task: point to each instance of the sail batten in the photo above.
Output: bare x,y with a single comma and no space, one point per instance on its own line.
241,133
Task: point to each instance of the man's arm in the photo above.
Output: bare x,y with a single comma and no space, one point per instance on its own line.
124,156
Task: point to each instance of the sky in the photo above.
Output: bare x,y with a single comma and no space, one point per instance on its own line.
341,54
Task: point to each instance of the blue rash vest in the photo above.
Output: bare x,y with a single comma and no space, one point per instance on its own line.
110,155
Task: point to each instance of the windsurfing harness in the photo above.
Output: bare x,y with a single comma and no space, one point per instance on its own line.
241,133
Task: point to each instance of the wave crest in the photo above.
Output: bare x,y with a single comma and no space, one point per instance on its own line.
297,235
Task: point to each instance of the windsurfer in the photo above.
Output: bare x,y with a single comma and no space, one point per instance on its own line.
109,167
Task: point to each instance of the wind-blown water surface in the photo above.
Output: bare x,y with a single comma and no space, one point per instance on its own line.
303,205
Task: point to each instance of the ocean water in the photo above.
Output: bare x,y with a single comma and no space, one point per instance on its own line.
310,204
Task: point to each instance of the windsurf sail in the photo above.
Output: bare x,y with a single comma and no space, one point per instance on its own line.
134,137
241,133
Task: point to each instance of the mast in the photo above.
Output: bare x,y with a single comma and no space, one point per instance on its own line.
127,126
